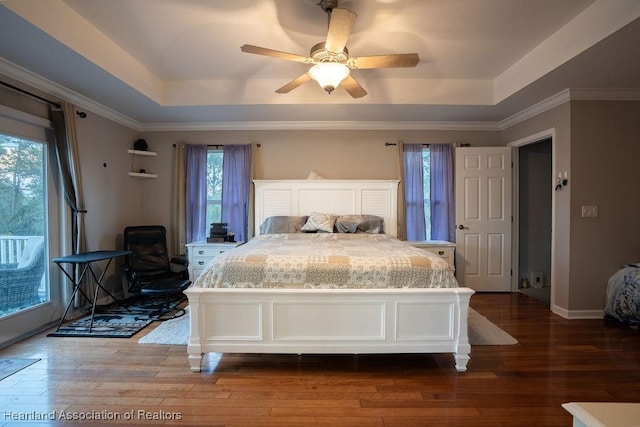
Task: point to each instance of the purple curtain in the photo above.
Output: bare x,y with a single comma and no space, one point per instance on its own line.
414,192
442,202
236,185
195,157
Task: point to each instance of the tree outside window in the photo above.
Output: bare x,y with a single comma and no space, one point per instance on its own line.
21,187
214,186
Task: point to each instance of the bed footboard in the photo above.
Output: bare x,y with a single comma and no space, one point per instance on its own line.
331,321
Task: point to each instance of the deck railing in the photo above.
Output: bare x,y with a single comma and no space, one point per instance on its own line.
11,248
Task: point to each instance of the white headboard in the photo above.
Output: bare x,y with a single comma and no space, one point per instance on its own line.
342,197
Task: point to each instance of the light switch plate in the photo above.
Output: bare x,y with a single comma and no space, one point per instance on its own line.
589,211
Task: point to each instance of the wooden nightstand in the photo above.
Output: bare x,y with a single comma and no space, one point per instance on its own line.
200,253
442,248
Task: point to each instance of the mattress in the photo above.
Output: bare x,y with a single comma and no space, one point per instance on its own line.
326,260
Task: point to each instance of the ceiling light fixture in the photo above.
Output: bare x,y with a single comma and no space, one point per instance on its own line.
329,74
330,58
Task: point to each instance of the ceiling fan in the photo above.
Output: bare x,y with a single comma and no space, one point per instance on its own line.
331,60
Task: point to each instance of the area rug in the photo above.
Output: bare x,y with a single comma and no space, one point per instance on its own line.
171,332
481,332
11,366
115,321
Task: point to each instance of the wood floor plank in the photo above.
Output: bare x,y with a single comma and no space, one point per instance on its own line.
555,361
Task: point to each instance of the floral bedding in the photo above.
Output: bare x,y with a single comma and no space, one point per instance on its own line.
623,295
326,260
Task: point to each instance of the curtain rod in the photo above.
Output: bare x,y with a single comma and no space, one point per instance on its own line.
392,144
33,95
217,147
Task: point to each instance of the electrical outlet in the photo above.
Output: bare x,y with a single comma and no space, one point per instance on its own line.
589,211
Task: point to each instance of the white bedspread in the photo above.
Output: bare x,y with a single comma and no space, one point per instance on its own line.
327,260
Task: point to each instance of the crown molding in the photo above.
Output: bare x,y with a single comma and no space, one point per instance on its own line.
36,81
577,94
319,125
574,94
539,108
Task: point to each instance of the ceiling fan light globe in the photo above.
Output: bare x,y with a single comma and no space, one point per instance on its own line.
329,74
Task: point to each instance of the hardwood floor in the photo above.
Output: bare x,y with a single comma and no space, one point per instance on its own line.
555,361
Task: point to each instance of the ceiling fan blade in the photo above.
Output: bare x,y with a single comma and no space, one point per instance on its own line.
275,53
384,61
353,87
340,25
294,83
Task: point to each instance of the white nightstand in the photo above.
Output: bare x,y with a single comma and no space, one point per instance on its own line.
442,248
603,414
200,253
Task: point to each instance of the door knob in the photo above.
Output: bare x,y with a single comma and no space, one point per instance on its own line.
462,227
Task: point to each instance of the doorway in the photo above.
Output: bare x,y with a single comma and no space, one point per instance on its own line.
534,207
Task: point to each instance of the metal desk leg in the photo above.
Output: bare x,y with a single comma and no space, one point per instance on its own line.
76,288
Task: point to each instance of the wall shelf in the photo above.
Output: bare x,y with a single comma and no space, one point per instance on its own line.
142,175
142,153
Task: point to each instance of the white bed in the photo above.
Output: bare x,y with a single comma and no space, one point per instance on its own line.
315,321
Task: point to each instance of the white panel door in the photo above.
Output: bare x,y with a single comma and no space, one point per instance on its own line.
483,218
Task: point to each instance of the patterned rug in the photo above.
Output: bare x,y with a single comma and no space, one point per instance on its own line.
117,320
13,365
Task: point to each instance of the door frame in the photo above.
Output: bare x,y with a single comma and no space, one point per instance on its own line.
515,238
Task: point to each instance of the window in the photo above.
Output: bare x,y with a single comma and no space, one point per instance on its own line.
426,185
24,225
214,185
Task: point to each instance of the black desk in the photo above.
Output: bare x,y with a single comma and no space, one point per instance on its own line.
86,259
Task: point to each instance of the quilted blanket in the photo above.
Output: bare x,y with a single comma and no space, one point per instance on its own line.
327,260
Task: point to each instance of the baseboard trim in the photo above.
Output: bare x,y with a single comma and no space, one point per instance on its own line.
577,314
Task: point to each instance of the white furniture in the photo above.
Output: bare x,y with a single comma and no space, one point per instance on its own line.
442,248
341,197
604,414
332,321
200,253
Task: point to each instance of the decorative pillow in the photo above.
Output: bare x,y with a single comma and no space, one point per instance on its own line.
359,224
313,175
283,224
320,222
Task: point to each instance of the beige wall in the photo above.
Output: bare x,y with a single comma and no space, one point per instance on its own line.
605,154
293,154
112,199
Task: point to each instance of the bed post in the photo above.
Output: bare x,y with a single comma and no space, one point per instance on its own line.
463,348
194,348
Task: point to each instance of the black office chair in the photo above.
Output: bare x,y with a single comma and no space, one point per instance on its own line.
149,272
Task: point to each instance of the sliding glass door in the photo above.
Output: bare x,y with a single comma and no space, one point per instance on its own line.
27,300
